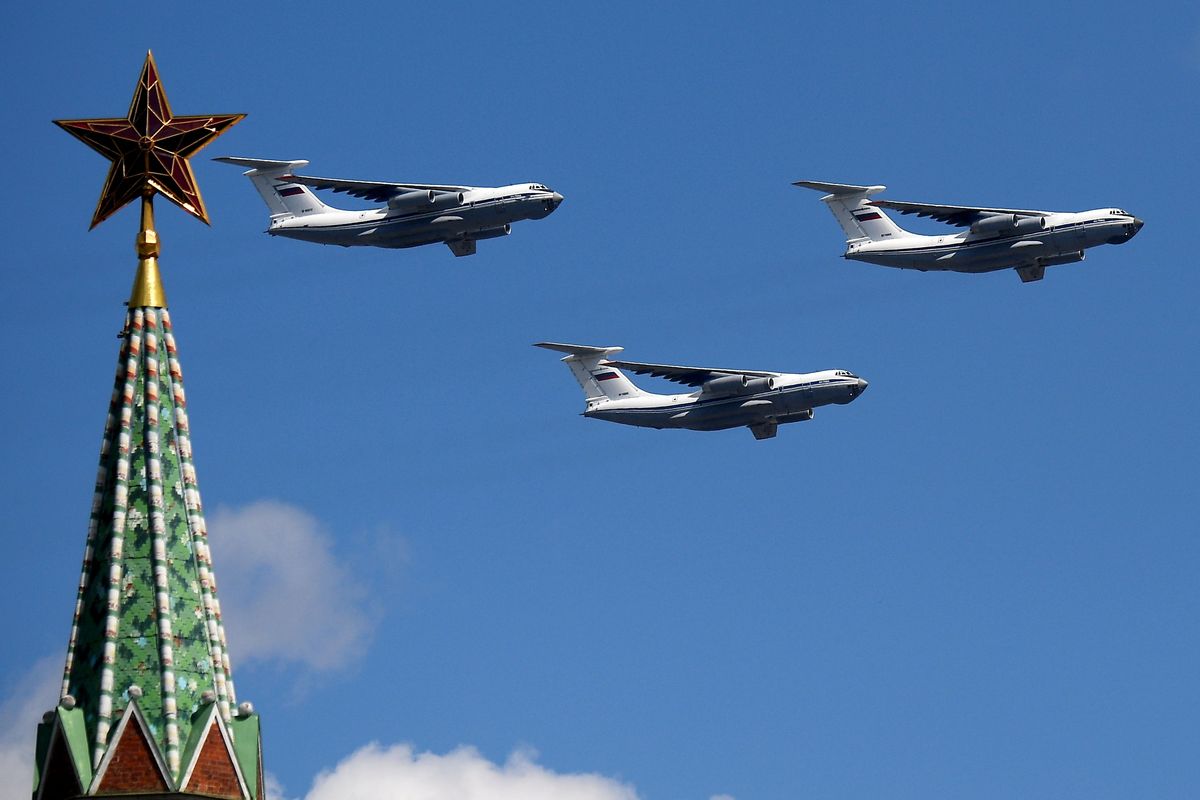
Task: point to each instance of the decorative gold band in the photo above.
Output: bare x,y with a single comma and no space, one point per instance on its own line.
148,289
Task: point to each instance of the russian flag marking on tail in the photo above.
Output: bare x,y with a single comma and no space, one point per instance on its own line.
853,211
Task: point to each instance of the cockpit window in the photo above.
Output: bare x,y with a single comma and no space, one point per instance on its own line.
537,187
841,373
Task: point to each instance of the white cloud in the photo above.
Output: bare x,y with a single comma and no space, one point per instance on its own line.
29,697
397,773
285,595
273,788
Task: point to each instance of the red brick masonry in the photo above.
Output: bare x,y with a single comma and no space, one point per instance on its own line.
132,768
214,773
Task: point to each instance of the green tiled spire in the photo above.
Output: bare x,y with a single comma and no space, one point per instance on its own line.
147,613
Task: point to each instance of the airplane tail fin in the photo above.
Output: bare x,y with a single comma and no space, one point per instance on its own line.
284,198
600,382
854,212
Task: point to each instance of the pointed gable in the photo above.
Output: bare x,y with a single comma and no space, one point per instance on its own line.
63,767
247,746
58,777
132,763
209,765
214,771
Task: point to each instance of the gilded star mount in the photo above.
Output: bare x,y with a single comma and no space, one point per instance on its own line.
149,148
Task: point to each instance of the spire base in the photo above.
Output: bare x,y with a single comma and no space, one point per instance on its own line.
148,289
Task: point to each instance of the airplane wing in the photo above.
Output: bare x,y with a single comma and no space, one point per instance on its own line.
689,376
962,216
371,190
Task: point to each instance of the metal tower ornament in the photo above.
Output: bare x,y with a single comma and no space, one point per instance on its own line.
149,148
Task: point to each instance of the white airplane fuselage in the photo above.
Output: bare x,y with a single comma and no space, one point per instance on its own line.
1026,240
792,398
483,213
1062,240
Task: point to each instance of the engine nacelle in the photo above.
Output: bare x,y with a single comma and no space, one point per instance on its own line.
1030,225
725,386
491,233
1008,223
994,224
756,385
411,200
730,385
444,199
798,416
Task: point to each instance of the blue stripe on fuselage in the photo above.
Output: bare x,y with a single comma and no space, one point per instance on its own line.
962,245
420,215
740,398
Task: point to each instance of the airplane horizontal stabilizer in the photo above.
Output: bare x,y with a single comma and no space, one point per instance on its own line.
579,349
839,188
261,163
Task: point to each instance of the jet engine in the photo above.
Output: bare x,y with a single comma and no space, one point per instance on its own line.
1030,225
424,200
797,416
492,233
725,386
1008,223
756,385
730,385
411,200
443,199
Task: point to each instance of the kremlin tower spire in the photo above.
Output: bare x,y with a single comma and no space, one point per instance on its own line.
148,706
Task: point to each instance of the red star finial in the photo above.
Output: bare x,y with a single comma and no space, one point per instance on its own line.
149,149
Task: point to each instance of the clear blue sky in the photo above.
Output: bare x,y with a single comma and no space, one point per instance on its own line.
979,580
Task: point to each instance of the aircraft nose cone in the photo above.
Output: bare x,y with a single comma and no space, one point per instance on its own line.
862,385
556,198
1132,228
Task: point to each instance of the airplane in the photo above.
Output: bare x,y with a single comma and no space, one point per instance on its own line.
726,398
996,238
414,214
